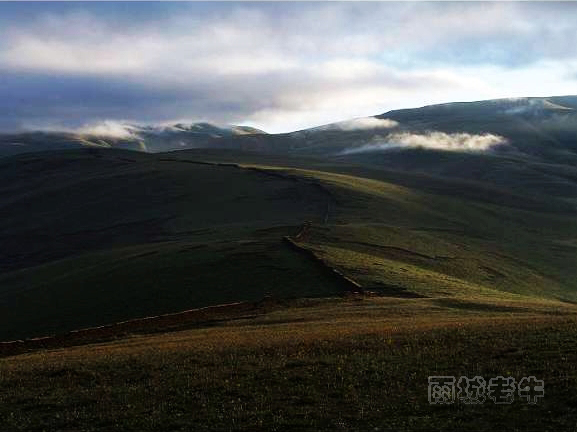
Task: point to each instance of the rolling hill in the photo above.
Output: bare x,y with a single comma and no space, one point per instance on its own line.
101,233
100,236
305,281
92,237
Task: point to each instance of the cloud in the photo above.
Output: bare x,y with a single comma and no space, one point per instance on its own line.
105,128
432,140
365,123
279,66
108,128
520,106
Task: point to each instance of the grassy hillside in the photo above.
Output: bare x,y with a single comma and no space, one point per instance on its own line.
379,270
95,237
389,236
399,233
77,201
121,235
324,366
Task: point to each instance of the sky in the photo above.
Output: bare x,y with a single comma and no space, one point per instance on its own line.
278,66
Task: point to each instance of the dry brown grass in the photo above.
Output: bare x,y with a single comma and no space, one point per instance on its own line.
354,364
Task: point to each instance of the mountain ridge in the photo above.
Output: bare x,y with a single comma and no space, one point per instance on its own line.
553,118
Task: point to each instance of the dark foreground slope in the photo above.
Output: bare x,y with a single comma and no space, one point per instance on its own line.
95,237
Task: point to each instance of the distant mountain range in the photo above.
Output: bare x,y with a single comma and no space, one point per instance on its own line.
133,137
529,127
527,144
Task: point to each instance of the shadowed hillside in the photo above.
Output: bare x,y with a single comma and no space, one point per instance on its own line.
95,237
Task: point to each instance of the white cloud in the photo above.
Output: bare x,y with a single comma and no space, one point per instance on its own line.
432,140
365,123
108,128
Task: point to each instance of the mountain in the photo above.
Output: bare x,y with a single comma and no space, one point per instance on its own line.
180,136
530,128
131,137
456,201
537,154
541,128
535,129
30,142
526,145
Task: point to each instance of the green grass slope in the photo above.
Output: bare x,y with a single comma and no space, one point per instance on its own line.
401,233
392,237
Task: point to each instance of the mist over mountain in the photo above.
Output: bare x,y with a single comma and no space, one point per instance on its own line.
122,136
528,127
527,144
